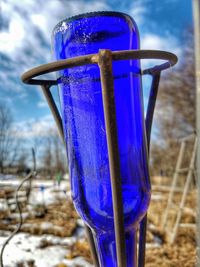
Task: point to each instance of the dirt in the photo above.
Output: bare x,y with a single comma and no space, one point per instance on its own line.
182,253
183,250
80,248
63,219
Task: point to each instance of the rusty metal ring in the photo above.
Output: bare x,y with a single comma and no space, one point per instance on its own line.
28,77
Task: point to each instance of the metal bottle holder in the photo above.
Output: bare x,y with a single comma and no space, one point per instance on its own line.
104,60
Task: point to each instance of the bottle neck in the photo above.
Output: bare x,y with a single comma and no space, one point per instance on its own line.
106,248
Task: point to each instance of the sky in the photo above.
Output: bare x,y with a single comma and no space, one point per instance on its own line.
25,42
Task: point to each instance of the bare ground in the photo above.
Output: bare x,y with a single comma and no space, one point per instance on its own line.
63,221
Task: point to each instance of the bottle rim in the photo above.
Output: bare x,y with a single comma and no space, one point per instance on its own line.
93,14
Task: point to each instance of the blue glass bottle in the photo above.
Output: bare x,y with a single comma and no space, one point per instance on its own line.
84,127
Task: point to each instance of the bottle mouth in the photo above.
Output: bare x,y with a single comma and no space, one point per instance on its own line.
92,14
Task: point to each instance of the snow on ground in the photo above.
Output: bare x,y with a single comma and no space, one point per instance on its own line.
3,205
13,181
6,176
43,191
24,247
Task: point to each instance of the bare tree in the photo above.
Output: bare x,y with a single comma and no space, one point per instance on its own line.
177,95
47,156
59,154
54,158
22,160
175,110
8,144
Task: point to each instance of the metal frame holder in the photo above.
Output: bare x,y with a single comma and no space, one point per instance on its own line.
104,60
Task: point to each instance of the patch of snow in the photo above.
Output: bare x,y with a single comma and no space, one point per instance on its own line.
45,196
16,215
80,222
3,205
7,176
46,225
24,247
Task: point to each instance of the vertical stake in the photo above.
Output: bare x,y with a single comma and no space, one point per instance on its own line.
174,182
105,65
196,15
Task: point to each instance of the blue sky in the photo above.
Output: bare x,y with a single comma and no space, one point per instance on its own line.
25,39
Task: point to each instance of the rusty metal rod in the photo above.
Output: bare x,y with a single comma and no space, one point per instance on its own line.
28,77
151,107
54,110
142,241
93,250
105,65
148,123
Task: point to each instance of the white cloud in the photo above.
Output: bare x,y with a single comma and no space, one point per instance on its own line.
32,128
26,40
42,104
31,19
25,36
157,42
152,40
12,39
40,21
137,12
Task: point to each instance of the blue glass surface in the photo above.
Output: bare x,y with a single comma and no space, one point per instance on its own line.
84,127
